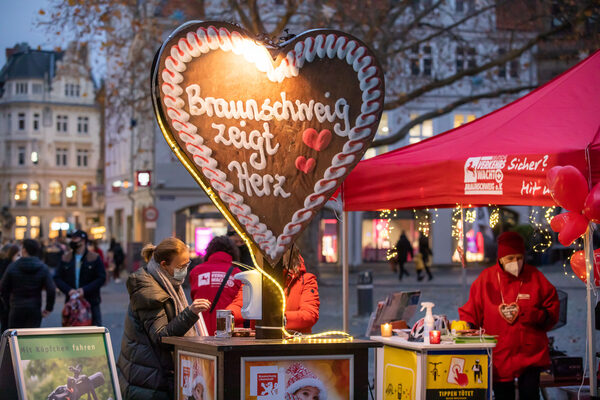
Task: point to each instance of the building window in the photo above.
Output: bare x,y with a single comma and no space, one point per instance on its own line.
36,88
34,223
21,88
72,90
421,62
82,158
34,194
465,58
464,5
21,121
61,156
55,193
36,122
510,69
86,194
8,122
62,123
82,124
421,131
21,155
21,194
460,119
71,194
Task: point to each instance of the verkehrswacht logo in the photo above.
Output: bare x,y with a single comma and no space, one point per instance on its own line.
483,175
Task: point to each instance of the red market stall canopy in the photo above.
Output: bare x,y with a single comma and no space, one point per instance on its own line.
501,158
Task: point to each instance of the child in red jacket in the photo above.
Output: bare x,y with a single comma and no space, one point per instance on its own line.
301,293
516,302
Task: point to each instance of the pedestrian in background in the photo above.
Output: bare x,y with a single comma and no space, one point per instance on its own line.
426,253
8,254
403,248
22,285
53,254
245,256
117,256
213,279
81,272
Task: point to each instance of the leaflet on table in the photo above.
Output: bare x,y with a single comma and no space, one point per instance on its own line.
396,306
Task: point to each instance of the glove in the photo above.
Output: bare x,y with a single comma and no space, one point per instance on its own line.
533,316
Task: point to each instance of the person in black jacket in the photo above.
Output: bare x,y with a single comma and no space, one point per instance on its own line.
22,286
82,271
8,254
403,248
425,251
157,308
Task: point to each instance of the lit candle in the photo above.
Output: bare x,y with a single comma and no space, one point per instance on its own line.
386,330
435,337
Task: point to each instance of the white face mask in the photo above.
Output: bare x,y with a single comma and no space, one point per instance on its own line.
513,268
179,274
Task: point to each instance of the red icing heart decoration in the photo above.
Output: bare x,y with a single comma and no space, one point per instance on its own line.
305,165
239,115
317,141
509,312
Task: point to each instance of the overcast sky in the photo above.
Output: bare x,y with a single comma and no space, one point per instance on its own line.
18,24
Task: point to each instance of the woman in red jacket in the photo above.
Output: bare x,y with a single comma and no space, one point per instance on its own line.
516,302
301,293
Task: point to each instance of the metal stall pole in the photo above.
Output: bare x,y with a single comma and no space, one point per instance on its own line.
589,263
345,286
465,296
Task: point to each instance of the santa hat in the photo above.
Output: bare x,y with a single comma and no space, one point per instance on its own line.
300,376
510,243
199,379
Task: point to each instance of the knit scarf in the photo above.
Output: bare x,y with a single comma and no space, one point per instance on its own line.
175,291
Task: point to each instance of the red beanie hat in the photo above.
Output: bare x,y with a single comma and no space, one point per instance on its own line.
510,243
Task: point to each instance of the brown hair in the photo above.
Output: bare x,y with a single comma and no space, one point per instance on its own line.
8,251
165,251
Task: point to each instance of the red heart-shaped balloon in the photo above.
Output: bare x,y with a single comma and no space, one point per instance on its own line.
579,268
591,207
568,187
558,222
574,226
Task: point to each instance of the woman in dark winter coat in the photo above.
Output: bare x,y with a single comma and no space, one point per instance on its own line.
157,308
22,286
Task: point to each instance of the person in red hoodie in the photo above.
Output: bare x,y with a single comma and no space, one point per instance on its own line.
301,293
516,302
206,278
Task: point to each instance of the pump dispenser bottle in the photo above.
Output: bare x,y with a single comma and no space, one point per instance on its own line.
428,321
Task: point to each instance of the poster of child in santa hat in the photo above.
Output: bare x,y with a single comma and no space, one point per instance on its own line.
298,378
197,376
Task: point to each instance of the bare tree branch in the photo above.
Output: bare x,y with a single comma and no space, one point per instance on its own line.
402,132
290,10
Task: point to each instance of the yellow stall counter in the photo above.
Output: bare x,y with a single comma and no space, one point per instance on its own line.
448,371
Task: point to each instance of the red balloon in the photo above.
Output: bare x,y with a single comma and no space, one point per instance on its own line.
558,222
575,225
591,207
578,265
568,187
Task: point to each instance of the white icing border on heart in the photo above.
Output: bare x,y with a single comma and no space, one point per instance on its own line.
204,40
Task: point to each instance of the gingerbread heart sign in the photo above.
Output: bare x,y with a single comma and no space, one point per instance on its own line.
269,133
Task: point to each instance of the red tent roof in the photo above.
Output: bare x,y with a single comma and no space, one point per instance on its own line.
501,158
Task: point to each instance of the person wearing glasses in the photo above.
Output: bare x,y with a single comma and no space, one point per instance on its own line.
157,308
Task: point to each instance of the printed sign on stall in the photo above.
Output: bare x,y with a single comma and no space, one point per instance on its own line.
400,374
61,363
457,377
197,376
284,378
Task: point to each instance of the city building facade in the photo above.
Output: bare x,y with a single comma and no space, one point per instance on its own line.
50,135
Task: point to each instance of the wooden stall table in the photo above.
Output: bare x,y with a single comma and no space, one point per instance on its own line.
245,368
414,370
